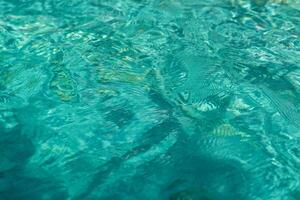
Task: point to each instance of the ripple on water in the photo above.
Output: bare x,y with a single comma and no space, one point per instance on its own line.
171,99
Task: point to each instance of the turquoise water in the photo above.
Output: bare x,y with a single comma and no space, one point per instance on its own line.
149,99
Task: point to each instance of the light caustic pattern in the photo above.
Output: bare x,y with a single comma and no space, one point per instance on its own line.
149,99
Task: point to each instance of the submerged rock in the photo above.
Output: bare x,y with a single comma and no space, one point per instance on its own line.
63,85
191,194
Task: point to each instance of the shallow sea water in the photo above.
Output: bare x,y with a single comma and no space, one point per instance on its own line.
149,99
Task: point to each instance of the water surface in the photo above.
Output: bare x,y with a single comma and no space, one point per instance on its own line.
149,99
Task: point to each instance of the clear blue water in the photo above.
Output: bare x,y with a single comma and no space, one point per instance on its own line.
149,99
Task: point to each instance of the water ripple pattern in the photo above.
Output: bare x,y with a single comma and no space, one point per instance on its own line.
149,99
